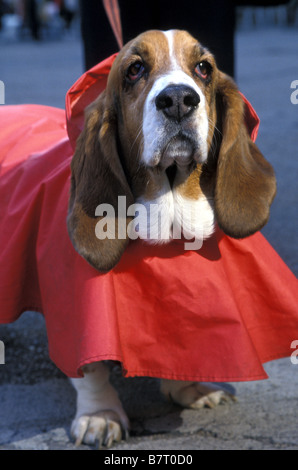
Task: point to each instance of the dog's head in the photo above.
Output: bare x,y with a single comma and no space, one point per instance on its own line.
168,133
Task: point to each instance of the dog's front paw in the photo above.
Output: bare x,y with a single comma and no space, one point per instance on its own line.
102,428
195,395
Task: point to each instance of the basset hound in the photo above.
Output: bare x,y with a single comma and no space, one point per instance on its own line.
169,135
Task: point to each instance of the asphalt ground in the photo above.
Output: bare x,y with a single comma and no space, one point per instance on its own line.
37,402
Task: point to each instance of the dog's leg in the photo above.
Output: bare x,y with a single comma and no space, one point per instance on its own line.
194,394
100,416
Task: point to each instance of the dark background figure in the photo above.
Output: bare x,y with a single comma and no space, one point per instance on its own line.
5,8
31,18
213,23
67,12
1,12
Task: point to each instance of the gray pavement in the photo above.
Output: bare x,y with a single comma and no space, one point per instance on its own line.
37,402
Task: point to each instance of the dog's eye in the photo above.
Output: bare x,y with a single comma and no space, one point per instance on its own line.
135,71
203,70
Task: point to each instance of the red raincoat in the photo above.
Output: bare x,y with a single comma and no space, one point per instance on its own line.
215,314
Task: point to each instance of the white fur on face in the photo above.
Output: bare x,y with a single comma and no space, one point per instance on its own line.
169,214
155,123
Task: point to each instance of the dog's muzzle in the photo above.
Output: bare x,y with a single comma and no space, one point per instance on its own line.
178,103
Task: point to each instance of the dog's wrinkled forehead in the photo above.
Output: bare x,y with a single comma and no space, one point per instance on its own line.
162,52
166,50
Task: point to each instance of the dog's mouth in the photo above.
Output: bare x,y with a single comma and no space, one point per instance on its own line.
179,153
180,150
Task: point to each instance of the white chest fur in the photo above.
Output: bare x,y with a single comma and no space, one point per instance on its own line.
170,215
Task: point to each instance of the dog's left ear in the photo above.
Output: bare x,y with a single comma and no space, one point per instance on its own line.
245,181
97,179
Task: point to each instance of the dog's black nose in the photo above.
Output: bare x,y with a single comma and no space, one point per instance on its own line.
177,101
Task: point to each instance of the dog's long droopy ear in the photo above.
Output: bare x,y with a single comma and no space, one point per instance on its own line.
245,181
97,179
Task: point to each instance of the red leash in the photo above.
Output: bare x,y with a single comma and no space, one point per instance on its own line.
113,13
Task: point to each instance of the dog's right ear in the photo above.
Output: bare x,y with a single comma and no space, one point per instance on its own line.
99,234
245,180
